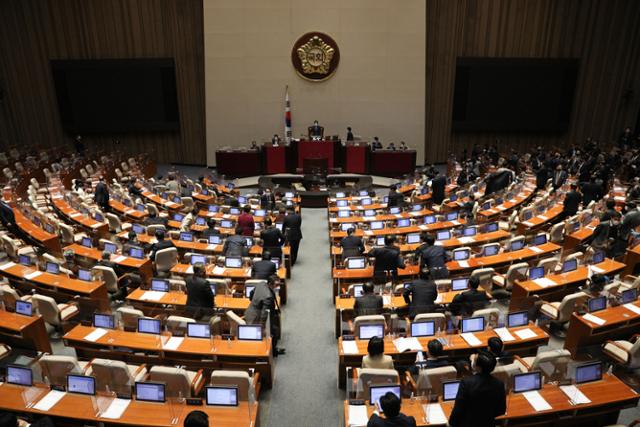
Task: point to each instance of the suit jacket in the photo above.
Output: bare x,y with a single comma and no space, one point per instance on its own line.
210,232
630,221
245,221
386,258
291,225
432,256
368,304
267,201
272,238
559,178
352,246
469,301
420,296
401,420
438,185
235,246
101,194
158,220
498,181
480,399
262,299
542,176
199,293
162,244
571,202
263,269
591,191
395,199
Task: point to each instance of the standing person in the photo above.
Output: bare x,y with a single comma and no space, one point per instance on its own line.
387,259
200,298
591,190
421,296
267,199
559,177
101,195
349,134
390,405
265,268
291,226
272,239
368,302
395,198
235,245
264,304
571,202
433,259
246,222
481,397
438,184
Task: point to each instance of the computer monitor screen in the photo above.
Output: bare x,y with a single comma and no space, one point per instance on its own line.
213,208
249,241
529,381
178,217
469,231
518,318
103,321
214,239
86,242
81,384
424,190
358,290
177,200
490,228
344,214
490,250
201,220
629,296
366,332
459,284
24,260
598,257
148,326
413,238
150,392
198,330
222,396
186,237
160,285
195,258
527,215
589,372
346,226
404,222
450,390
289,195
279,226
569,265
453,197
366,201
138,229
486,206
473,324
416,208
536,273
394,210
342,203
423,329
429,219
84,275
452,216
363,193
53,268
443,235
597,304
250,332
248,289
540,239
376,392
110,247
136,253
377,225
380,241
356,262
25,308
230,185
276,261
385,199
242,199
49,228
204,192
226,224
140,207
516,245
233,262
234,211
369,212
19,375
461,255
340,194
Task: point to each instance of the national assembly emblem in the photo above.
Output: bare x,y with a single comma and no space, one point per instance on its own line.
315,56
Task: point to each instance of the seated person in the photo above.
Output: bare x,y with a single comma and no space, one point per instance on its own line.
496,348
594,287
196,419
434,358
211,230
465,303
160,244
390,406
368,303
376,359
154,219
265,268
132,242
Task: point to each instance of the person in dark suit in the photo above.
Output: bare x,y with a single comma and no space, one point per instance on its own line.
134,188
610,210
390,406
231,201
395,198
432,258
435,353
368,303
591,190
420,296
264,268
272,239
292,228
132,242
211,229
542,176
496,348
101,194
246,222
469,301
160,244
7,216
235,245
630,221
349,134
559,177
438,184
316,130
571,202
481,397
200,298
351,245
264,304
387,259
154,219
376,144
267,199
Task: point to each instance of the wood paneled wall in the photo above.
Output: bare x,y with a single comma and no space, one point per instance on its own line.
604,34
32,32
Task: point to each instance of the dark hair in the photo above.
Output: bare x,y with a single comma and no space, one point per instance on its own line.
495,345
132,235
239,229
610,204
390,405
266,254
211,222
198,269
350,231
375,346
597,282
160,234
267,221
106,255
573,186
367,288
435,348
196,419
43,422
389,239
247,208
474,282
428,239
8,419
486,362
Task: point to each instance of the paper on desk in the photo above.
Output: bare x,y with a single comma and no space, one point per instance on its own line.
349,347
466,239
438,299
368,233
49,400
386,299
173,343
407,344
369,218
211,247
463,264
119,259
455,222
527,223
536,401
514,201
358,415
525,334
7,265
632,307
95,335
189,270
398,215
574,394
75,214
434,414
536,249
32,275
423,227
594,319
152,295
438,243
596,269
501,208
471,339
504,334
544,282
218,271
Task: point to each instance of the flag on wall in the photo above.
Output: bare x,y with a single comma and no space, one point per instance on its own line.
287,116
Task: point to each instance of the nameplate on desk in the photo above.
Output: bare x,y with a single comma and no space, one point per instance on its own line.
350,347
398,215
438,243
152,295
75,215
504,334
574,394
407,344
358,416
129,211
463,264
542,217
434,414
95,335
594,319
514,201
501,208
173,343
116,409
471,339
536,249
33,275
544,282
536,401
369,218
7,265
525,334
632,307
423,227
96,225
368,233
49,400
119,258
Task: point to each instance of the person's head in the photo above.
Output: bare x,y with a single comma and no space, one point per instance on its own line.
171,177
195,211
615,218
375,346
152,214
375,138
367,288
474,282
211,223
350,231
238,230
434,348
101,179
196,419
266,255
159,234
282,210
246,208
268,222
495,345
132,236
559,167
198,269
610,204
390,405
574,187
315,122
389,239
349,128
69,255
428,239
485,363
106,255
8,419
597,282
291,210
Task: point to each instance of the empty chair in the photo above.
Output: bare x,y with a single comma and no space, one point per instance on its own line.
576,255
552,363
549,264
152,208
248,386
68,235
222,286
491,315
510,223
556,234
430,380
234,321
54,314
152,228
117,375
373,319
177,325
626,353
12,247
505,373
368,377
129,317
5,350
109,277
166,259
439,319
7,173
560,312
515,272
178,381
461,249
57,367
10,296
115,226
187,202
124,166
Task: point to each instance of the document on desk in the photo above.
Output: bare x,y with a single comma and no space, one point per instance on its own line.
463,264
369,218
386,299
49,400
95,335
456,222
358,416
525,334
544,282
189,270
119,258
33,275
173,343
407,344
434,414
75,214
471,339
536,401
504,334
574,394
466,240
218,271
596,269
152,295
116,409
527,223
7,265
211,247
536,249
398,215
594,319
632,307
438,243
423,227
542,217
368,233
349,347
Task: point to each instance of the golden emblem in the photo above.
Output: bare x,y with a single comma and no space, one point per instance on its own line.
315,56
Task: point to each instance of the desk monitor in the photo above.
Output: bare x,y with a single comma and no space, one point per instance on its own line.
225,223
222,395
368,331
248,289
366,201
340,194
345,226
473,324
24,260
450,390
377,391
160,285
536,273
597,304
200,220
527,215
276,261
540,239
213,208
469,231
589,372
369,212
137,253
344,213
424,190
413,238
385,199
358,290
429,219
394,210
491,250
110,247
127,202
629,296
250,332
139,207
517,318
204,192
84,275
19,375
376,225
379,241
186,237
198,330
234,211
363,193
214,239
569,265
249,241
86,242
452,216
106,321
242,199
147,325
177,200
453,197
461,255
423,329
25,308
516,245
499,201
342,203
233,262
195,258
49,228
231,185
138,229
403,222
178,217
163,195
529,381
416,208
491,227
279,226
150,392
597,257
81,384
289,195
356,263
575,226
460,284
52,268
443,235
486,206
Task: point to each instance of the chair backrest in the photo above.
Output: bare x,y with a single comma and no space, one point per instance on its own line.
234,321
461,249
505,373
10,246
549,264
109,277
114,223
491,315
152,208
112,373
430,380
66,232
187,202
514,240
556,234
485,275
439,319
152,228
177,325
57,367
515,272
222,286
48,309
129,317
369,376
9,296
176,380
166,259
241,379
370,319
576,255
553,364
569,304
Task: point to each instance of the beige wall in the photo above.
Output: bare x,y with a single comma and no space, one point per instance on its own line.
378,88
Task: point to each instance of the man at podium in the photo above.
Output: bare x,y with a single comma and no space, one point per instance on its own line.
316,132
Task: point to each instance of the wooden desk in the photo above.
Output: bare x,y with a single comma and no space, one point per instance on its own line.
578,237
195,353
631,259
341,275
533,225
167,204
607,396
436,226
381,217
142,265
130,213
51,242
502,259
505,207
179,300
79,410
24,332
620,323
78,218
